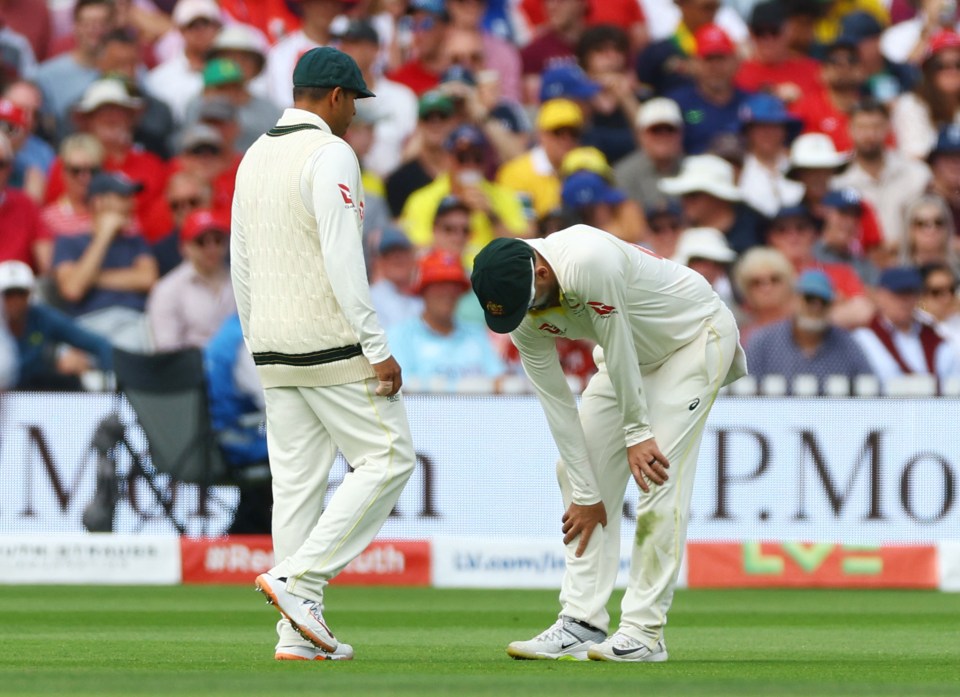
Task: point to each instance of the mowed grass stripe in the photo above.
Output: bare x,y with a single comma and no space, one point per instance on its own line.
208,640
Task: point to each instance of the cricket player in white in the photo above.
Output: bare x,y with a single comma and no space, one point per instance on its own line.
329,379
666,345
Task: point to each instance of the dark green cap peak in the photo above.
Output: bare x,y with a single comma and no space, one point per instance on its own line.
502,280
326,66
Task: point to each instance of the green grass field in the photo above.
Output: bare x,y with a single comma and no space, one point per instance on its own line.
219,641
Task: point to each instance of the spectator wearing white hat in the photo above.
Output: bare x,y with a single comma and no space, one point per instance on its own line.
813,162
659,133
179,79
40,333
710,198
247,47
705,250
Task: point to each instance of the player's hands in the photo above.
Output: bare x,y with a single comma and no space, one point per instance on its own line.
647,462
388,373
581,520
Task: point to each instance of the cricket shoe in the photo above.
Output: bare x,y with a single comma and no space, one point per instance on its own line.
344,652
305,615
625,649
566,639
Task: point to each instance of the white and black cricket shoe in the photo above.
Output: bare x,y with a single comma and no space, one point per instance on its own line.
566,639
625,649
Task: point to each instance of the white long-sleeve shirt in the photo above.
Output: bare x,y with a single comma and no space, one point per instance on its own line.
638,307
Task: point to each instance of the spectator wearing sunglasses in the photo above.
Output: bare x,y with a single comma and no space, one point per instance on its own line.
495,211
940,303
930,236
188,305
81,156
185,194
422,71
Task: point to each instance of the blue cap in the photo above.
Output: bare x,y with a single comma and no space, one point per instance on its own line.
901,279
847,197
465,136
392,239
457,73
585,188
816,283
796,211
113,183
566,80
860,25
512,116
765,108
437,7
669,206
948,142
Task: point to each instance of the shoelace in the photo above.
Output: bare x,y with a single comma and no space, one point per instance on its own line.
554,631
622,641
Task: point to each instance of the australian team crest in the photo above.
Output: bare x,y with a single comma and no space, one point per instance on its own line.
494,309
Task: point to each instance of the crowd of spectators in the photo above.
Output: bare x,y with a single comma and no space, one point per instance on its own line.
802,155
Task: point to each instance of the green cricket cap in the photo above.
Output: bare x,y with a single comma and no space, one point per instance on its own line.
221,71
329,67
502,280
435,101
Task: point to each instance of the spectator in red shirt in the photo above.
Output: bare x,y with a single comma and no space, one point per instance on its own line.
556,41
827,110
23,236
422,72
772,67
273,17
626,14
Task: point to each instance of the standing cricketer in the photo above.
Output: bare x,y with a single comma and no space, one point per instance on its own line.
329,378
666,345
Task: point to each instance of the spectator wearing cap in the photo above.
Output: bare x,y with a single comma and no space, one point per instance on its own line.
664,226
205,154
394,266
394,111
496,211
536,172
659,133
247,47
51,350
827,110
773,67
496,55
886,179
705,250
813,162
767,128
918,115
899,341
709,197
884,78
931,236
568,81
944,161
179,78
425,156
103,277
909,41
793,233
451,227
223,79
592,200
110,114
422,71
840,235
187,306
435,345
711,104
24,236
65,78
556,42
807,343
273,19
81,157
185,194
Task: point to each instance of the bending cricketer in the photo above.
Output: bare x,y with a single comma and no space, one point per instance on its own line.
666,345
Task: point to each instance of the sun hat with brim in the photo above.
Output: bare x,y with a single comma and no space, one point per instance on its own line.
326,66
816,283
703,173
222,71
703,243
502,280
241,37
198,134
764,108
815,151
103,92
901,279
15,275
585,188
188,11
440,267
113,183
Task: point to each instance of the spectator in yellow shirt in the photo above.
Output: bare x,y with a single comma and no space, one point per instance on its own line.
536,172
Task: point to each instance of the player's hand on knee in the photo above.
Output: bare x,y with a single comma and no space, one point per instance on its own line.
647,463
388,374
582,520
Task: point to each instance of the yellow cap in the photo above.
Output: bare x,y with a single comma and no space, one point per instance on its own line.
559,113
586,158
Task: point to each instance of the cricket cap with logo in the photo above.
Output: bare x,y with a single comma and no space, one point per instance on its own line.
222,71
15,275
202,221
502,280
326,66
435,102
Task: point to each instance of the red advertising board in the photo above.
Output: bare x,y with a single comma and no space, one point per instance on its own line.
816,565
240,558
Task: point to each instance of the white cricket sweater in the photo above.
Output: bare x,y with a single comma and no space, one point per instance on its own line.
297,258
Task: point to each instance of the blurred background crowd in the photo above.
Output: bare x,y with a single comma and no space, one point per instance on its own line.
802,155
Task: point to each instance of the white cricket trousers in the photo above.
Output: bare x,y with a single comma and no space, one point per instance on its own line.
679,393
305,427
